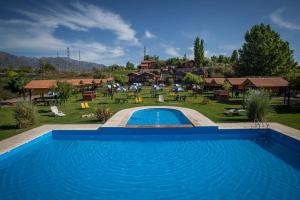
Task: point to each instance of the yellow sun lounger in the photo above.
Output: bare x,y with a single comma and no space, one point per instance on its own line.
82,105
86,105
138,100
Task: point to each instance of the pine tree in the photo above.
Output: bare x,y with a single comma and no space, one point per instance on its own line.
199,51
264,53
234,57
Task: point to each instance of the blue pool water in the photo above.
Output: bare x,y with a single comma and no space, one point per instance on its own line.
119,164
158,116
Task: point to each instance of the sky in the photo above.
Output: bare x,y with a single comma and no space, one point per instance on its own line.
116,31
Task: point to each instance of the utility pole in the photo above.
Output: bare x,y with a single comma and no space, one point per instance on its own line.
68,58
79,68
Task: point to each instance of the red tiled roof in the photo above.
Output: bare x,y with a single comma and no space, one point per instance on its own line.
208,80
46,84
266,82
236,81
218,81
40,84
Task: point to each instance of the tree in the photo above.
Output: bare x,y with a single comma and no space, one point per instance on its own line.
214,59
64,91
45,68
129,66
234,57
264,53
17,84
226,86
190,78
199,51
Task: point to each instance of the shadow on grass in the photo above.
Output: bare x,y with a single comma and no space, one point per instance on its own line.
281,109
8,127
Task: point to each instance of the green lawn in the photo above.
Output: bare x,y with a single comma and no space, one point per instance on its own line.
214,110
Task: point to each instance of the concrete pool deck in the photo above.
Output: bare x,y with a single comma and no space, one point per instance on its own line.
121,118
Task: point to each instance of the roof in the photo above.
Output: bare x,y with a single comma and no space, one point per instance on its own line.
46,84
236,81
148,61
218,81
208,80
266,82
40,84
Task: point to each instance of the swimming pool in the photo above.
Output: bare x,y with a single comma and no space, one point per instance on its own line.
151,163
158,117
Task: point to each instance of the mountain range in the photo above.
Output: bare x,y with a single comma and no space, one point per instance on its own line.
63,63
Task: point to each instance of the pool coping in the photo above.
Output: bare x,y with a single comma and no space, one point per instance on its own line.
121,118
13,142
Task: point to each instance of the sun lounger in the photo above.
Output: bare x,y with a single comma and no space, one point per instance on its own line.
82,105
86,105
233,111
138,100
55,111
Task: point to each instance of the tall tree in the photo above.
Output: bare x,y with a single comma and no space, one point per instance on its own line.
202,58
129,66
199,51
234,57
264,53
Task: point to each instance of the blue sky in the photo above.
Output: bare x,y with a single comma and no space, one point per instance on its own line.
115,31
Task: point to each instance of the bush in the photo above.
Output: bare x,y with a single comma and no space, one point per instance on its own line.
257,104
205,101
103,114
25,114
190,78
64,91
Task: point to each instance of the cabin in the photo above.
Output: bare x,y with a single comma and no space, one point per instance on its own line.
277,85
42,87
141,77
187,66
148,66
214,83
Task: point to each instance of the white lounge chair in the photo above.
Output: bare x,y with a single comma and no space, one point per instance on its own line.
55,111
161,98
233,111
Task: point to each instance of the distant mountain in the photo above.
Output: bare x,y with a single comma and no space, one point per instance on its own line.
64,63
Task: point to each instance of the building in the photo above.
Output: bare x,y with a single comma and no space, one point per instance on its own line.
141,77
42,87
189,66
274,84
148,66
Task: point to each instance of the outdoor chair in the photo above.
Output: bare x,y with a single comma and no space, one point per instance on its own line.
55,111
233,111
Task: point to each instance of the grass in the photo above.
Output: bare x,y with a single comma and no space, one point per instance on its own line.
213,110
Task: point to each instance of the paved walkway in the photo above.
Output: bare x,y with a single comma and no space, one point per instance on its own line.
121,118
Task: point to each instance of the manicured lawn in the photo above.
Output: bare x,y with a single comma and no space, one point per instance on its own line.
213,110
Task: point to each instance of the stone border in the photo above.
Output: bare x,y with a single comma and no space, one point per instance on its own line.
25,137
283,129
121,118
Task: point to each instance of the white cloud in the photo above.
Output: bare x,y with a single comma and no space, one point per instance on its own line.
37,34
82,17
149,35
172,51
277,19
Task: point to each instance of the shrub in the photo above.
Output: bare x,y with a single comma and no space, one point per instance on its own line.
25,114
103,114
257,104
205,101
64,91
190,78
